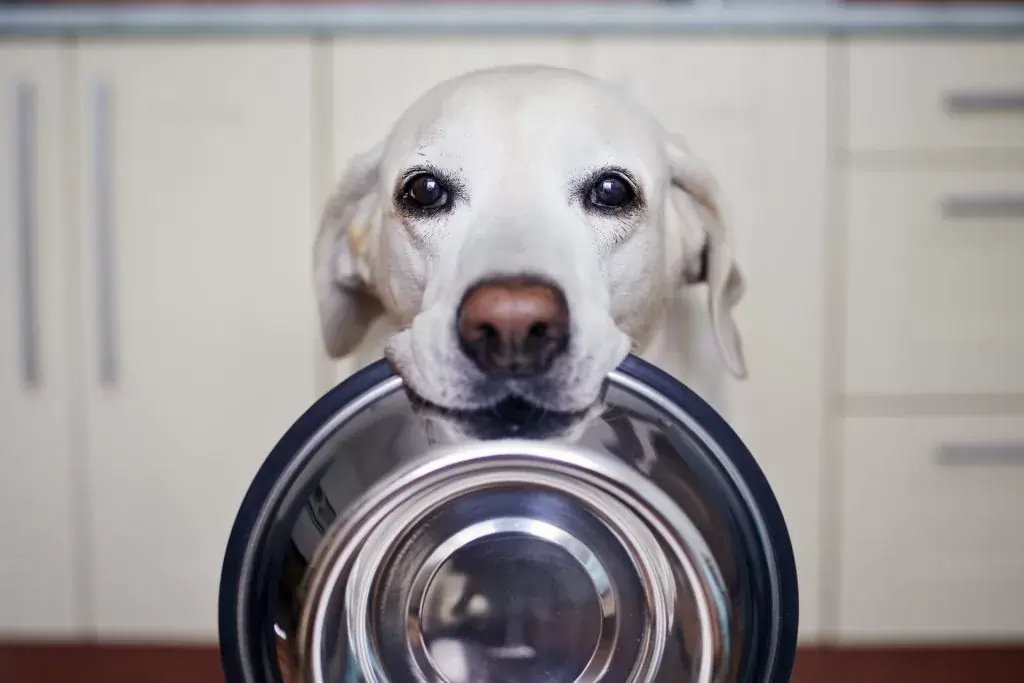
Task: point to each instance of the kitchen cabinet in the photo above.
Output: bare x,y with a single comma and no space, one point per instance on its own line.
39,543
755,112
928,488
192,224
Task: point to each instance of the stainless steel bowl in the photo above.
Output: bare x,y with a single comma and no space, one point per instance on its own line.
380,543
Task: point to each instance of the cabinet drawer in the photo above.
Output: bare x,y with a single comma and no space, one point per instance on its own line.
936,94
931,542
934,283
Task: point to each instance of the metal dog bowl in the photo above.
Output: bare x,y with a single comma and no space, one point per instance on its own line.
639,544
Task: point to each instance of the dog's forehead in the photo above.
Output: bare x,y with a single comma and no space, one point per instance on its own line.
533,114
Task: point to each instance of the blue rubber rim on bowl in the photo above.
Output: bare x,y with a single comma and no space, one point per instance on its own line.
310,422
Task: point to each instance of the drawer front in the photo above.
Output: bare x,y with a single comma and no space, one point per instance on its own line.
931,540
936,95
934,284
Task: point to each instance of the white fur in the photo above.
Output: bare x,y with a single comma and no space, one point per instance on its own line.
518,138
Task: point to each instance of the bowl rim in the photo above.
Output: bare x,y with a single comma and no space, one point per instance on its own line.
313,419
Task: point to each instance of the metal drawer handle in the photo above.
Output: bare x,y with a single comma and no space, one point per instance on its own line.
106,306
25,199
1001,453
985,102
983,206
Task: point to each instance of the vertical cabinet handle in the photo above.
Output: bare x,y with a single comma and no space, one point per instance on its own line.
106,304
25,200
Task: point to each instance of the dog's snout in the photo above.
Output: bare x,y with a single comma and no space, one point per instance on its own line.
513,327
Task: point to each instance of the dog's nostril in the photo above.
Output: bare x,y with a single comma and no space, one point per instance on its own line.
487,332
538,331
513,326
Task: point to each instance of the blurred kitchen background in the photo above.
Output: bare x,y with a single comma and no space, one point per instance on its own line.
162,170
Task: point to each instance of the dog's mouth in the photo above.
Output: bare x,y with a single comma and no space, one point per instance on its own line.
511,417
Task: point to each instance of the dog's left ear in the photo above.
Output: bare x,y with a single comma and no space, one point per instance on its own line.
707,252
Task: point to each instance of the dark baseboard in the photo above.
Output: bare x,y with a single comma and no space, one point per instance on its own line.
73,663
932,664
88,663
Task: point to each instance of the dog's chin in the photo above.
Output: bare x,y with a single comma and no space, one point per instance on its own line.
511,417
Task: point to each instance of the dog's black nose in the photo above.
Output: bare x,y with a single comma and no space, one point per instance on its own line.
513,327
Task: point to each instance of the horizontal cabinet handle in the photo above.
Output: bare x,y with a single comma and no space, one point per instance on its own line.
985,102
983,206
1007,453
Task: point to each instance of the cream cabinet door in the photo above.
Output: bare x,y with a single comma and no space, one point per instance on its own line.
198,347
755,112
931,545
375,79
933,282
38,495
937,95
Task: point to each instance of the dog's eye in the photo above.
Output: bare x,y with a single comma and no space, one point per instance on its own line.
611,192
425,192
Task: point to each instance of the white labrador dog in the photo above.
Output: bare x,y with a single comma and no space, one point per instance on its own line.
519,231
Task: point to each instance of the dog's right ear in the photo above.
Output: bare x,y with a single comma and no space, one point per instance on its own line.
351,217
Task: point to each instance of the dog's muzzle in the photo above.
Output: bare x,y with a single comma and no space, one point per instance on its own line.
649,549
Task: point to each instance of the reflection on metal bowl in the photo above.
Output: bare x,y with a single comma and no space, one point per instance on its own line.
638,542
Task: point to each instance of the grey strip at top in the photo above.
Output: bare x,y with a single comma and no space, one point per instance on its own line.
810,17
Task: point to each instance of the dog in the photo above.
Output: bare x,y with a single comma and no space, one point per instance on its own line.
520,231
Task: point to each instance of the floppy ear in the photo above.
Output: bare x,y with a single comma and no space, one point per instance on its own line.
347,304
707,251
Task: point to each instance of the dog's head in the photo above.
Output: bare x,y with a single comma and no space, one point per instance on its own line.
523,226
